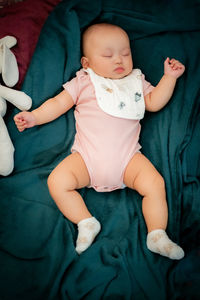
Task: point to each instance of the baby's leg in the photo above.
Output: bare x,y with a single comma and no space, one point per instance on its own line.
69,175
142,176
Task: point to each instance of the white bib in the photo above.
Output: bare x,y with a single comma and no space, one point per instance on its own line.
121,98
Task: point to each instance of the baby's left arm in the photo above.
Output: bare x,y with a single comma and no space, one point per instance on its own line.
162,93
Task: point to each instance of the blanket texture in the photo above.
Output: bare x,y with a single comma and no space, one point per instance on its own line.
37,254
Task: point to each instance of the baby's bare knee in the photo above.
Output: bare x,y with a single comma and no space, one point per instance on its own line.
158,181
61,182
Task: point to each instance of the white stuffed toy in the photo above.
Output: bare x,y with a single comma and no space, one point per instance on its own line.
10,76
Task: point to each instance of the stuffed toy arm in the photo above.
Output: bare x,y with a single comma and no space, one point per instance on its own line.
17,98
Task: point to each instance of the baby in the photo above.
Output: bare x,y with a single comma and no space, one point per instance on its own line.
110,98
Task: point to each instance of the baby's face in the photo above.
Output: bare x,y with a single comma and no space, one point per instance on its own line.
108,53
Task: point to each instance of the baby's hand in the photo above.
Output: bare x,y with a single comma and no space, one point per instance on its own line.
173,67
24,120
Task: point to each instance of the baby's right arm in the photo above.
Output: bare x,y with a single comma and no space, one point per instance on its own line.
47,112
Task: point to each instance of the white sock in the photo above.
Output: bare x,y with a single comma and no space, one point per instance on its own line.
87,231
159,242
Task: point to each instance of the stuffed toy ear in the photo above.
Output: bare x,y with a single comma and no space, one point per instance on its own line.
9,41
9,68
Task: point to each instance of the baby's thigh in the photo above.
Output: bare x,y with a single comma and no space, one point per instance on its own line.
71,173
141,175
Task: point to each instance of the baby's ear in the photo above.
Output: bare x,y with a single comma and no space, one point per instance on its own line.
84,62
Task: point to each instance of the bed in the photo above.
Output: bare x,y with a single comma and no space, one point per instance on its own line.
37,254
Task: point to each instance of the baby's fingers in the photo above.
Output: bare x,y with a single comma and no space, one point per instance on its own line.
20,123
175,64
21,126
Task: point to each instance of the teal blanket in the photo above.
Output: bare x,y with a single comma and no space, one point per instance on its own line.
37,255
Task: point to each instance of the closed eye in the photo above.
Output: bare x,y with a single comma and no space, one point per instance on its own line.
126,54
107,55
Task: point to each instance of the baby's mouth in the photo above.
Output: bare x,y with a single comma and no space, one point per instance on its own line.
119,70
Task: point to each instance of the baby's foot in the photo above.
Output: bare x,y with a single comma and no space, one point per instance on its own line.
158,242
87,231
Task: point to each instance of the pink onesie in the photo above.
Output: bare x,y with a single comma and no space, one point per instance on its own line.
106,143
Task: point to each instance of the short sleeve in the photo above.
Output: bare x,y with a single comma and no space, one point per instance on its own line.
147,87
72,88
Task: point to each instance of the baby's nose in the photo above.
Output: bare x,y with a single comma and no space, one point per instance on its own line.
118,59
